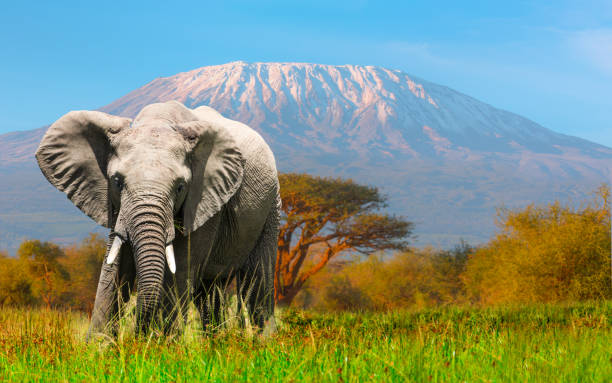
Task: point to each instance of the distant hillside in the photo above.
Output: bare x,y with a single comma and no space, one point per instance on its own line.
445,160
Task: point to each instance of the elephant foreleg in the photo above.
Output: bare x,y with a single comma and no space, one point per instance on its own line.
175,299
209,299
115,278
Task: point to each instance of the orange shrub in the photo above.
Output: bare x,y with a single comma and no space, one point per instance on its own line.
545,254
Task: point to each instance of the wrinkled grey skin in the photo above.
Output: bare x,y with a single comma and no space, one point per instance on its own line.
169,175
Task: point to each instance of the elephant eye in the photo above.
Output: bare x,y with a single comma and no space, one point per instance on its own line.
180,188
117,181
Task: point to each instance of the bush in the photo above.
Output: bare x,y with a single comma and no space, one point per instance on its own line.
417,278
44,273
545,254
84,262
15,284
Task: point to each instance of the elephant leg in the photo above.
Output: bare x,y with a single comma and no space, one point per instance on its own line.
175,300
116,278
209,299
255,280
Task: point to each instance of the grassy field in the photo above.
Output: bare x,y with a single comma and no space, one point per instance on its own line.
547,343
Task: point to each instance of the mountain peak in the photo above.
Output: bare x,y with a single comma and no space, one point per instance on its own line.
444,159
347,106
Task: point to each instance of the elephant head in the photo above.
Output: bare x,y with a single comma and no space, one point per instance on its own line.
139,177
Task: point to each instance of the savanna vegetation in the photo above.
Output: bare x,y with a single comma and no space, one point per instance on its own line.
45,274
545,254
337,251
532,304
549,253
532,343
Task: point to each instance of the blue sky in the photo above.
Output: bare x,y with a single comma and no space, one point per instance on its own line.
550,61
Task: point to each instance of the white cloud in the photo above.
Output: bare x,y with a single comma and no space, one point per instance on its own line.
594,46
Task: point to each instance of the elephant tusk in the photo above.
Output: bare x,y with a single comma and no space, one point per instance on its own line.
114,251
170,258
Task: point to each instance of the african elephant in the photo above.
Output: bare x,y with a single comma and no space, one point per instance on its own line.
191,198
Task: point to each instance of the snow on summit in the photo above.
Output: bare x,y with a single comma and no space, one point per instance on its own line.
361,108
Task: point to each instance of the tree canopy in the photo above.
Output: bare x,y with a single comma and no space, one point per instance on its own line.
332,215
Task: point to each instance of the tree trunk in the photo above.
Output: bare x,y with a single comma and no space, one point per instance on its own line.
285,298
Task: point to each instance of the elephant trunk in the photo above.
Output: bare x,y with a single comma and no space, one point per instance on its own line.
149,221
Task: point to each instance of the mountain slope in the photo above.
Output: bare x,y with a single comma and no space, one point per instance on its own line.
351,105
445,160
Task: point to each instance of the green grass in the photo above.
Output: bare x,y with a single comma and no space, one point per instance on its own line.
545,343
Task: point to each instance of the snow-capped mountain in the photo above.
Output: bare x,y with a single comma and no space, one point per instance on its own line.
354,107
444,159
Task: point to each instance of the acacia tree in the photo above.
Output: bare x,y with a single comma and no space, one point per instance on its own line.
334,216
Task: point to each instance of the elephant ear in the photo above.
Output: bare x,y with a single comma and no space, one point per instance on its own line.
217,168
73,156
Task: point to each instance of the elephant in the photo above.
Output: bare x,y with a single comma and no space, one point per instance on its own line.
192,202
